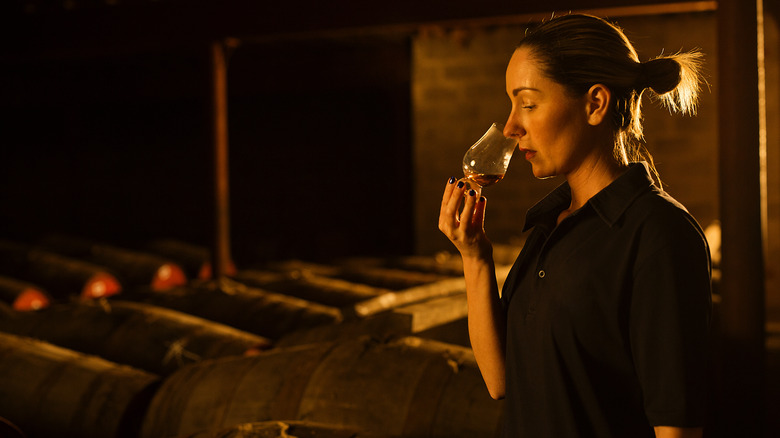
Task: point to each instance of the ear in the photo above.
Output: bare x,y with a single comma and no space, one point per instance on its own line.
597,100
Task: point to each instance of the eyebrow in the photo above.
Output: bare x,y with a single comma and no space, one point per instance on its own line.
517,91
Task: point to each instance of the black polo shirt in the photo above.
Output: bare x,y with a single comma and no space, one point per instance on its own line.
608,316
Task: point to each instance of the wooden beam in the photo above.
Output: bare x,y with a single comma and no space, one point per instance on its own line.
221,258
742,286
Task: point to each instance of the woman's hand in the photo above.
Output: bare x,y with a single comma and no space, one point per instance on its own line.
465,229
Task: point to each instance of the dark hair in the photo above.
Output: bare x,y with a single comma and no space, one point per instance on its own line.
579,51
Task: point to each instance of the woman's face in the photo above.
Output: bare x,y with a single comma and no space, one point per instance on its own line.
550,124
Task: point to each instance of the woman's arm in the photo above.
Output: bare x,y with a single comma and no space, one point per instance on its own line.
487,324
678,432
486,320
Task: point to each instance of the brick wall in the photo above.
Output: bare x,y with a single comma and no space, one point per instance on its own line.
458,90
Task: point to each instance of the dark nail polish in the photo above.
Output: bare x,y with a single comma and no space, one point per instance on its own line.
460,185
482,199
452,180
472,193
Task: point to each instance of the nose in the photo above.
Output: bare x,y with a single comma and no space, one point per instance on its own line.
513,128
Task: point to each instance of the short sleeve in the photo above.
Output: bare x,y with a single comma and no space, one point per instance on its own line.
670,319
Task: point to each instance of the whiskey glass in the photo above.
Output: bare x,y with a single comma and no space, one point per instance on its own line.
485,163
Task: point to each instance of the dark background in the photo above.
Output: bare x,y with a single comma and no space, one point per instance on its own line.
117,147
106,119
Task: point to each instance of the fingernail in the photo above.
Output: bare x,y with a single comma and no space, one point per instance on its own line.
452,180
472,193
460,185
482,199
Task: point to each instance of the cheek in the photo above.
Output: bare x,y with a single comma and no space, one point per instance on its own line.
557,136
564,125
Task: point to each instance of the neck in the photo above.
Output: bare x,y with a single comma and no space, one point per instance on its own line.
591,177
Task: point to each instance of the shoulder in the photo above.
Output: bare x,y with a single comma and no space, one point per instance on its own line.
661,221
656,208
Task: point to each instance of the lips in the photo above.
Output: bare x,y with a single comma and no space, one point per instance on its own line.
528,153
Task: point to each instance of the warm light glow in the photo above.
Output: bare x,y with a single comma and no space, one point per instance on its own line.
101,285
168,276
762,121
164,273
98,290
30,300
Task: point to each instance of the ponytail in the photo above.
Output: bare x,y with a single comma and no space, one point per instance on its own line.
674,79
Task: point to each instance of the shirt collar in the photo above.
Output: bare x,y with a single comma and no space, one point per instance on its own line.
609,203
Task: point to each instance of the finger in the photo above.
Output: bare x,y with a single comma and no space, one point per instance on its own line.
466,216
447,216
448,188
456,197
479,213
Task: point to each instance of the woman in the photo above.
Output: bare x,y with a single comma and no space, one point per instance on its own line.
601,329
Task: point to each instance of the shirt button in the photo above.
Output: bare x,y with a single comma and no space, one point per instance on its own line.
541,274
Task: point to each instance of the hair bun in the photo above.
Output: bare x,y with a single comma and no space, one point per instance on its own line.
662,75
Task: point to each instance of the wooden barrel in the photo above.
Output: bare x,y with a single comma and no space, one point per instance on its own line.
134,268
448,286
444,263
390,278
253,310
357,300
367,273
141,335
21,295
409,388
48,391
324,290
442,319
69,276
61,276
284,429
194,259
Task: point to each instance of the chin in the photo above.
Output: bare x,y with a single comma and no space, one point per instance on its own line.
541,173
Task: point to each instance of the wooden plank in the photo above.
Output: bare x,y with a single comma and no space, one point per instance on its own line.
324,290
441,288
411,295
428,314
